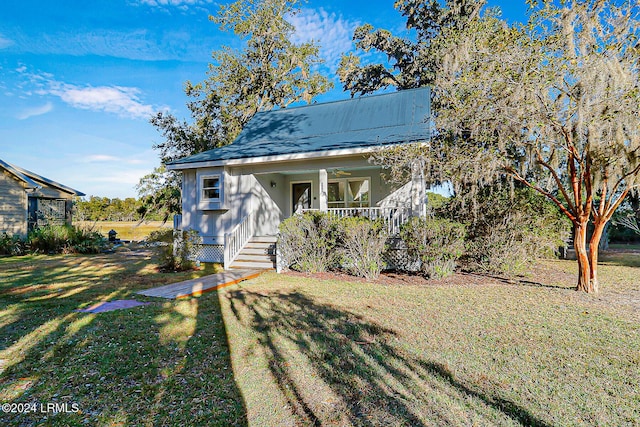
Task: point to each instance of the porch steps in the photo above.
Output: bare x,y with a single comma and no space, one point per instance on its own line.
259,252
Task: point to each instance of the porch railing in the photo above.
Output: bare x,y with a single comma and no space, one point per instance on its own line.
394,217
235,240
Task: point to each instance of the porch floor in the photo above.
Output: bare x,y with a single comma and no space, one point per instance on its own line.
197,287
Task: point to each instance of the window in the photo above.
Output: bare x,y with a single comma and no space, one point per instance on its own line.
349,193
210,185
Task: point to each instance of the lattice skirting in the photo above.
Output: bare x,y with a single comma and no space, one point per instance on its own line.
396,257
210,253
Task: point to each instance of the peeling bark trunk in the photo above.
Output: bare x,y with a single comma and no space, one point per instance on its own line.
582,255
594,244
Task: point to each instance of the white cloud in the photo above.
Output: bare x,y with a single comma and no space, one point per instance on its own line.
333,33
181,4
124,101
95,158
5,42
35,111
104,158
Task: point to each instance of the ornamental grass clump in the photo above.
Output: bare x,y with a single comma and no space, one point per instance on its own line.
64,238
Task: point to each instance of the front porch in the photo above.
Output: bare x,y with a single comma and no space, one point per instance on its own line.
257,200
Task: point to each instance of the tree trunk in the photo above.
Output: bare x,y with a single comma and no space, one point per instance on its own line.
594,246
582,255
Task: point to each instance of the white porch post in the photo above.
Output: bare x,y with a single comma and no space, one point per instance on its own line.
322,197
418,190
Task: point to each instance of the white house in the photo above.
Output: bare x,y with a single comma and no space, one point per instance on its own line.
301,158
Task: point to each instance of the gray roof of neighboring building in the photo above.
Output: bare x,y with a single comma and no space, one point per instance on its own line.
35,181
367,121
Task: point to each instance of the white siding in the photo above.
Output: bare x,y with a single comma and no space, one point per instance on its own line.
266,190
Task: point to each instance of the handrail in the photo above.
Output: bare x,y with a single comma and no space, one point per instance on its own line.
235,240
394,217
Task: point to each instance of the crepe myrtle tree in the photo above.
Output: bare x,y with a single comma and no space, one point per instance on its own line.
554,104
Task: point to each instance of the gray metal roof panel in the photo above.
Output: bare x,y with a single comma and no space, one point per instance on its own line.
32,179
354,123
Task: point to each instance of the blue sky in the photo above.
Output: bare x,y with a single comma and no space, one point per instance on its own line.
78,83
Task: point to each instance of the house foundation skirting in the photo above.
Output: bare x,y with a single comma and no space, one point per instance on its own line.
210,253
396,256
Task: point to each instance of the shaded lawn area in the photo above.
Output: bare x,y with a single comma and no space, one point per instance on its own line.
465,351
166,363
469,350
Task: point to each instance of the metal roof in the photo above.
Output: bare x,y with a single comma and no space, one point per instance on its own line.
367,121
34,181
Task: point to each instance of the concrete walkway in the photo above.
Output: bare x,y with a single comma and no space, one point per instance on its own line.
197,287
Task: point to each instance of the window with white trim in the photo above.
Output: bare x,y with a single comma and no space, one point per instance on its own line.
210,188
348,193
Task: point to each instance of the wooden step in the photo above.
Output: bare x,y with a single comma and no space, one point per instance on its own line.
247,257
252,264
259,245
258,251
263,239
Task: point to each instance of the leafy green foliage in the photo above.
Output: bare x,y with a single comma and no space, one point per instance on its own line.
509,230
106,209
307,242
12,245
361,244
160,194
411,61
64,238
269,71
437,242
553,104
177,249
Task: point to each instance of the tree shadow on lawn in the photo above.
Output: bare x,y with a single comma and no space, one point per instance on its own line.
368,380
163,364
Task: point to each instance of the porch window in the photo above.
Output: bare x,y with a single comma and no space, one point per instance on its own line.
210,185
348,193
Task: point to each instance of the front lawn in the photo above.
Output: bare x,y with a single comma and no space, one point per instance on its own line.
469,350
166,363
463,351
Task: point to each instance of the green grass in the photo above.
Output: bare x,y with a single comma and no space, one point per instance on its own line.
291,350
162,364
127,230
470,353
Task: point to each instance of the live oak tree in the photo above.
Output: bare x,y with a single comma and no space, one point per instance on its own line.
411,62
268,71
554,104
271,71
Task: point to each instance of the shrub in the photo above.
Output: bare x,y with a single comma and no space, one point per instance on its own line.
307,242
12,245
361,246
177,248
510,230
438,244
64,238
